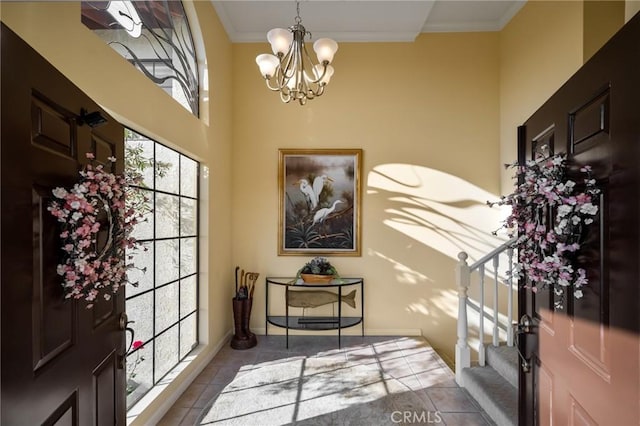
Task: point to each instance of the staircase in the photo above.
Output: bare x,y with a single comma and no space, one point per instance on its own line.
495,386
493,380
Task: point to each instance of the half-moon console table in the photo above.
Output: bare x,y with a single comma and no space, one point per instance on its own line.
339,287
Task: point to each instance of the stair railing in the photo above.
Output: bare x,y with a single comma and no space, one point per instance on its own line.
463,280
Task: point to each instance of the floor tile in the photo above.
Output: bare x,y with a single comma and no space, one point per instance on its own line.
207,395
463,419
452,400
207,374
226,374
438,376
190,395
191,417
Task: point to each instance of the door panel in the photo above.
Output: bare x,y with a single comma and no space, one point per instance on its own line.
52,127
585,362
66,414
59,359
53,327
104,390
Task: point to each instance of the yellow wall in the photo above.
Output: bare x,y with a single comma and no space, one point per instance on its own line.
426,116
55,31
631,7
601,20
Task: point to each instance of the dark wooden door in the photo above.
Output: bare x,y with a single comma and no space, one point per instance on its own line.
59,360
585,367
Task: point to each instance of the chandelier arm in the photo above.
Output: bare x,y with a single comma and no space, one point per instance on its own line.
318,92
299,61
315,79
287,63
285,97
270,87
311,84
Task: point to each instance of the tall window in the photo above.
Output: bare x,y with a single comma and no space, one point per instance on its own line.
155,37
164,305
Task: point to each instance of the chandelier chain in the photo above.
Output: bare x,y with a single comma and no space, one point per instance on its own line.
298,19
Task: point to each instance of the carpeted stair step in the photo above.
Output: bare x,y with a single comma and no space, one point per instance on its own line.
504,359
495,394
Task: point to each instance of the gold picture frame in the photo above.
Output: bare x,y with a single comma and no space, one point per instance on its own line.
319,202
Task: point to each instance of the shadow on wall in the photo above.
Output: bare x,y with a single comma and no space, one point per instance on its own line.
438,210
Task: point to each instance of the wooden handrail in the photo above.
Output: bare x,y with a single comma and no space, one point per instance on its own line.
487,257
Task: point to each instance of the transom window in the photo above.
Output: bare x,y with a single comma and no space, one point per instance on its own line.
155,37
164,305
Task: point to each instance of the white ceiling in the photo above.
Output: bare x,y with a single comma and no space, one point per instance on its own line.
364,20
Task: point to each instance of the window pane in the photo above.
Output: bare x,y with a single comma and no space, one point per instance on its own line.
139,376
166,261
188,296
143,230
188,217
167,173
166,216
142,271
187,335
139,156
188,177
166,306
140,310
188,256
167,351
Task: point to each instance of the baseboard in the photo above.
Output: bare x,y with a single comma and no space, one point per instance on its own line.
446,358
392,332
138,411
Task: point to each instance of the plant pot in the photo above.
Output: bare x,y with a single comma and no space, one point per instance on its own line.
314,278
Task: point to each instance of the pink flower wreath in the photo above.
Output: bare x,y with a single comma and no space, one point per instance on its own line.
86,271
546,251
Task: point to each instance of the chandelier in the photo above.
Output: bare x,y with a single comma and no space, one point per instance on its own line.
290,70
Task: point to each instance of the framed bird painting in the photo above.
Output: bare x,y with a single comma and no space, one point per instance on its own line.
320,198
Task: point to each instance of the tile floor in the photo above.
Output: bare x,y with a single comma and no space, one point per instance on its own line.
419,387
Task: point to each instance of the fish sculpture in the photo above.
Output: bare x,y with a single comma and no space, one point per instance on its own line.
315,298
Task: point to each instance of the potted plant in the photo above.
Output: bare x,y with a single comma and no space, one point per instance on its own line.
318,270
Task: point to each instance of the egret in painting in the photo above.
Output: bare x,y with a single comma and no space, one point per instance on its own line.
307,190
318,185
322,214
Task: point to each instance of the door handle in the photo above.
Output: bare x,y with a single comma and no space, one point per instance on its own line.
525,326
123,324
123,321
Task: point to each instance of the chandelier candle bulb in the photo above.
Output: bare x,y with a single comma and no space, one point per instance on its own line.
280,40
268,64
325,48
323,73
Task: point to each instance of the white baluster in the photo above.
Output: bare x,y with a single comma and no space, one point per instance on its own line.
463,353
496,263
481,325
510,299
